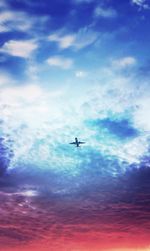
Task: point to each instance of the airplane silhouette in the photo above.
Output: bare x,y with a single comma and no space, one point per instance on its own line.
77,143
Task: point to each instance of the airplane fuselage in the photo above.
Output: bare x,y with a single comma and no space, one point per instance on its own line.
77,142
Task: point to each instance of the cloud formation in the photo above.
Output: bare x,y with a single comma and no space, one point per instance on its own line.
63,41
8,21
69,69
141,3
70,111
105,12
122,63
83,38
19,48
61,62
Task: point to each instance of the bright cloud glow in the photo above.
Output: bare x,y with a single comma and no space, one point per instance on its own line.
61,62
18,48
29,193
81,74
21,94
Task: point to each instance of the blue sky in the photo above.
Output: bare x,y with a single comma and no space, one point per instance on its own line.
76,68
79,67
71,38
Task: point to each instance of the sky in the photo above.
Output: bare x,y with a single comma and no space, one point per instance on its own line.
76,68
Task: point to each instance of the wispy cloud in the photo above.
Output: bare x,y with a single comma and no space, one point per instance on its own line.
63,41
141,3
24,22
124,62
61,62
22,48
105,12
83,38
9,22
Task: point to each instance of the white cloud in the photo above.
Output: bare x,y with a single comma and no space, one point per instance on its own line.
105,12
81,74
21,21
81,39
64,41
9,22
15,95
5,17
124,62
23,48
141,3
142,115
62,62
28,193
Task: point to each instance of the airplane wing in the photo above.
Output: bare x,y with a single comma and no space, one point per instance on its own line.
80,142
74,143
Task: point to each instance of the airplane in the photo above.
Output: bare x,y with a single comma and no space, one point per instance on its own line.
77,143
